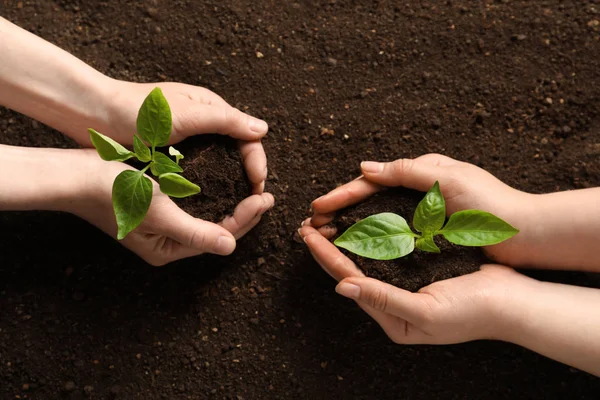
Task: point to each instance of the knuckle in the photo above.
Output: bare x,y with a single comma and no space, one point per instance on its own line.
339,262
402,166
378,299
234,117
197,239
350,192
434,158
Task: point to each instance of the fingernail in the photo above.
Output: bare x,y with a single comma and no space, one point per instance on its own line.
257,125
371,167
348,290
300,233
224,245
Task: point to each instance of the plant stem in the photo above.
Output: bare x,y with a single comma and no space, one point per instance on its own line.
146,168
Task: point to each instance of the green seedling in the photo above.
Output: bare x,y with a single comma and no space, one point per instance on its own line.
132,190
387,236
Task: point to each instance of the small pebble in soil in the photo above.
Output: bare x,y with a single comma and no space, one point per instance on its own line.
69,386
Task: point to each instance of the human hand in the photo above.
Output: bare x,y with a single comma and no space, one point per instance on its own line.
464,186
481,305
195,110
167,233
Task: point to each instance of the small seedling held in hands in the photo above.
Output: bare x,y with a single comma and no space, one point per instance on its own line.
132,190
387,236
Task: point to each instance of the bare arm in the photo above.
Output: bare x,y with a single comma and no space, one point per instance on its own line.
41,179
563,230
561,322
44,82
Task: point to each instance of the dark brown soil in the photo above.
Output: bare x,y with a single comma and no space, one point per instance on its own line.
419,268
214,163
512,86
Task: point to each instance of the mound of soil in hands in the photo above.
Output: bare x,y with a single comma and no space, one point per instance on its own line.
214,163
419,268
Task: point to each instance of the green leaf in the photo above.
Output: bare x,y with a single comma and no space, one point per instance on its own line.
477,228
175,153
426,243
177,186
382,237
431,212
163,164
131,197
142,151
154,122
107,148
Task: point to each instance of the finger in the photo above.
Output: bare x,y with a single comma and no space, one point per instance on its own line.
344,196
327,255
201,118
327,231
248,213
319,220
419,173
415,308
255,161
196,236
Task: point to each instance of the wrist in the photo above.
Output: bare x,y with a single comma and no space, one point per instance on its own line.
65,93
89,105
522,213
512,309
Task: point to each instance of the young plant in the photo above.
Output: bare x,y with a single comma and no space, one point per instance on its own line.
132,190
387,236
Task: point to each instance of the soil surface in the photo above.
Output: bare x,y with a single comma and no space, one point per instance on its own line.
511,86
419,268
214,163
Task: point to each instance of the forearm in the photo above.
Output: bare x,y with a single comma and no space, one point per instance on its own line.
41,179
559,321
563,230
46,83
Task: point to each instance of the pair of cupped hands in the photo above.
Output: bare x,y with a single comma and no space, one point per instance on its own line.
455,310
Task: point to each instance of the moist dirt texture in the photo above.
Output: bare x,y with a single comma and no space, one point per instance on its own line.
511,86
214,163
419,268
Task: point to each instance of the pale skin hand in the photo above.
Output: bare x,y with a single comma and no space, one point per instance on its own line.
557,230
46,83
195,111
71,96
559,321
79,182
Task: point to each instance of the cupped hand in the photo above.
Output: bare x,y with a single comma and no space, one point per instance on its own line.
167,232
481,305
464,186
195,110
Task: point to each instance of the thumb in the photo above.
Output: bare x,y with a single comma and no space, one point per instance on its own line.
222,119
419,174
197,235
379,296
